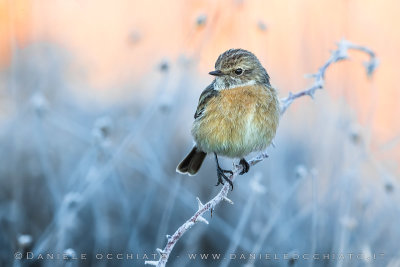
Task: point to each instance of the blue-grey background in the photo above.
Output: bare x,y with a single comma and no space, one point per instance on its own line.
89,145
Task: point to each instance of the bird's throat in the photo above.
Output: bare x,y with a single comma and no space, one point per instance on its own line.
221,84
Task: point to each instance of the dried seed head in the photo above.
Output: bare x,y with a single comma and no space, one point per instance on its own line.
24,241
201,20
70,254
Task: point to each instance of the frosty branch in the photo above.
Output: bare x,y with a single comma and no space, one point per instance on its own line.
341,53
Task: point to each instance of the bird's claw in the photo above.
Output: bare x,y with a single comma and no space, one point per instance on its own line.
221,177
245,166
220,181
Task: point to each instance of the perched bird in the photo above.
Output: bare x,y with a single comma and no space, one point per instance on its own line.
238,113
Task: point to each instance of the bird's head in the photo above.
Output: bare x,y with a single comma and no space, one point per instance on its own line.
238,67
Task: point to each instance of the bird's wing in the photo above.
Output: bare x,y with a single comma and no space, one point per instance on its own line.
205,96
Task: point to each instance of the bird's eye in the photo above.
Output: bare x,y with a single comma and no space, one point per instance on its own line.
238,71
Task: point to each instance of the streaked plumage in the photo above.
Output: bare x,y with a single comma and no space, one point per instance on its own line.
238,113
235,123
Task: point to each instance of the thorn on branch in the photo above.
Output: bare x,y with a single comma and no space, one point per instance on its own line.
199,203
228,200
160,251
201,219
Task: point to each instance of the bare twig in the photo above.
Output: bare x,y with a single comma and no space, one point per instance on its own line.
197,217
339,54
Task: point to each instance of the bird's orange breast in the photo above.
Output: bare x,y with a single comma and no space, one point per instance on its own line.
238,121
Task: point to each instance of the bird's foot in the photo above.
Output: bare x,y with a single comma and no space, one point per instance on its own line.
245,166
221,177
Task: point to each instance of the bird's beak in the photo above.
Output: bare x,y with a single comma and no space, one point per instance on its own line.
216,73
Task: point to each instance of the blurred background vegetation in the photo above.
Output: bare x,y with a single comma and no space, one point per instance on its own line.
96,104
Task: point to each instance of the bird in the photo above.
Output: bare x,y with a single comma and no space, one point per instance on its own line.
237,114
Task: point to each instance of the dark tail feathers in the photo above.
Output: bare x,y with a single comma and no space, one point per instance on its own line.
192,163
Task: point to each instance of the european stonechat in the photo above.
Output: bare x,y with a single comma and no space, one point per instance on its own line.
238,113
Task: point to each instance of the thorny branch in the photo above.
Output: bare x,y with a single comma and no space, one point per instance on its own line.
341,53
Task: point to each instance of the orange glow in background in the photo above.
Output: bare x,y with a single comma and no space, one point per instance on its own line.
121,42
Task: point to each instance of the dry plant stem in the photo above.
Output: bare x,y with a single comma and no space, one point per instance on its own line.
203,208
339,54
